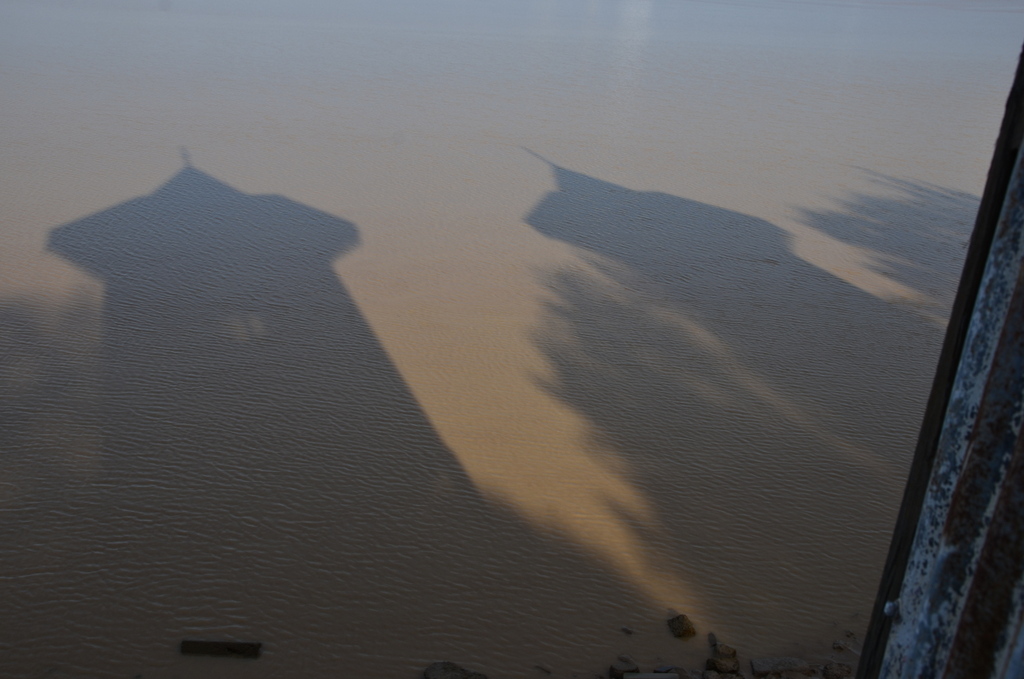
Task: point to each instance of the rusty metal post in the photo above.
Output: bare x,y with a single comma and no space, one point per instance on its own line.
951,600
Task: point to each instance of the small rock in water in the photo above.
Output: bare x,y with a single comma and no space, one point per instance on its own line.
663,669
627,630
724,651
723,665
682,627
712,639
762,667
626,657
449,670
838,646
543,668
836,670
618,669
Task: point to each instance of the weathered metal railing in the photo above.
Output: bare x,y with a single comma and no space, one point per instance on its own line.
951,600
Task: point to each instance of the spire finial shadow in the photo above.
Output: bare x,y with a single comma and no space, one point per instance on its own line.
566,179
539,156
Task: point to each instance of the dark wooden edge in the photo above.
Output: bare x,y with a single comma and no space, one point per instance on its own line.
1003,160
231,649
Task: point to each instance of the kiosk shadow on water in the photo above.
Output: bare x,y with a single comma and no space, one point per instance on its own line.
748,393
266,474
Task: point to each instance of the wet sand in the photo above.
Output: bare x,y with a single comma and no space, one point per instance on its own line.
469,331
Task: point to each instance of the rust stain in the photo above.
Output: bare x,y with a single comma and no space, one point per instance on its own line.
987,615
994,468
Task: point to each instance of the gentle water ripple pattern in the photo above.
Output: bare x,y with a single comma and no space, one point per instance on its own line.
469,330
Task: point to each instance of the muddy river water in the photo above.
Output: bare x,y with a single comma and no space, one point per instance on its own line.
392,332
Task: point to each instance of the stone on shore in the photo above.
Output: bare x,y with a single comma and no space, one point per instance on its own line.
618,669
763,667
836,670
449,670
723,665
682,627
724,651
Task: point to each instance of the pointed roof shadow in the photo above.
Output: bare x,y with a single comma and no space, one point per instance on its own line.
198,216
231,299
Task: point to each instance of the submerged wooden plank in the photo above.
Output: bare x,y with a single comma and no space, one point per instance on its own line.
231,649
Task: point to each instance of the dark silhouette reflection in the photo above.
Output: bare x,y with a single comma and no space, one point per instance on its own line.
766,407
267,475
919,230
221,312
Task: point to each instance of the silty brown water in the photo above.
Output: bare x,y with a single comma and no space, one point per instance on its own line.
470,332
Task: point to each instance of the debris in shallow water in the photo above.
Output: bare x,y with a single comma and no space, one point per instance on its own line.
836,670
628,630
543,668
762,667
723,665
620,668
231,649
449,670
682,627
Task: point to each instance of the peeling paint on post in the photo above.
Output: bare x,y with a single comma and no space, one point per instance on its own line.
959,610
949,602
